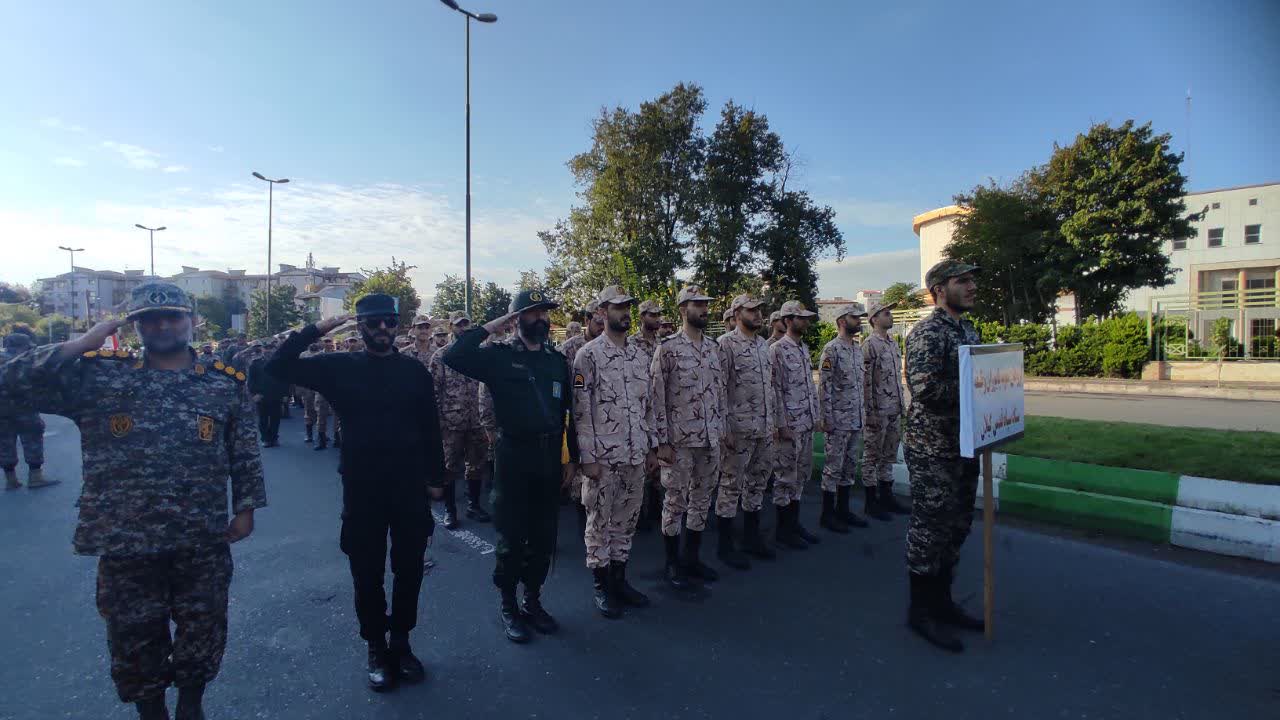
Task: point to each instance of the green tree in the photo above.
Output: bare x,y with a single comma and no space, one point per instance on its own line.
530,280
12,314
451,296
906,294
53,328
1115,195
494,302
285,312
215,314
392,280
14,293
797,234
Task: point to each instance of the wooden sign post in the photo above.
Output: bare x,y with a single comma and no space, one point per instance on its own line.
991,414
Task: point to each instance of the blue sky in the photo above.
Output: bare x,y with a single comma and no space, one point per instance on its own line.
116,113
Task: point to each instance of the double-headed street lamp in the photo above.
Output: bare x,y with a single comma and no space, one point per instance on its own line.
271,184
153,232
484,18
73,252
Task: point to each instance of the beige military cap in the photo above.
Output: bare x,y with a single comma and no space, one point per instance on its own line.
875,306
795,308
691,293
650,306
744,301
852,309
614,295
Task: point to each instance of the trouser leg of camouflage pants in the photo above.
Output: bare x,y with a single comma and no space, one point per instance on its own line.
943,490
308,405
139,595
526,509
842,460
879,448
688,483
323,411
613,507
29,429
752,461
793,463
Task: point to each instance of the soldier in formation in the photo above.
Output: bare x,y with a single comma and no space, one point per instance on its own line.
882,398
777,329
797,401
617,443
730,323
309,398
666,328
269,393
21,423
465,447
647,339
840,409
159,528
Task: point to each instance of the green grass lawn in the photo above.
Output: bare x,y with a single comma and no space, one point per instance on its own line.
1224,454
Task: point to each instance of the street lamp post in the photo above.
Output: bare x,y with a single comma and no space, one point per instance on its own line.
73,252
484,18
271,184
153,232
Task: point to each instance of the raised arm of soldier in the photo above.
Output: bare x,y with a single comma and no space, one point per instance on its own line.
46,379
313,372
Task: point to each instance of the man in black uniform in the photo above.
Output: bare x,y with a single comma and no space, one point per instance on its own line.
268,393
532,398
391,455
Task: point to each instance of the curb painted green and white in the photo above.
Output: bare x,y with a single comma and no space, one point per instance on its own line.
1218,516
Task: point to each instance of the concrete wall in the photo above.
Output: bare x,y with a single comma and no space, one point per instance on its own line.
1207,372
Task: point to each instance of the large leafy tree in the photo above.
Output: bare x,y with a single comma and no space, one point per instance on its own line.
216,316
391,280
1115,194
797,233
14,293
494,301
906,294
285,312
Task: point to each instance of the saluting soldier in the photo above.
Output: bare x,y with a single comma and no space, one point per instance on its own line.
309,397
268,392
617,440
532,399
689,394
464,442
798,402
646,338
752,422
882,396
840,370
944,485
161,435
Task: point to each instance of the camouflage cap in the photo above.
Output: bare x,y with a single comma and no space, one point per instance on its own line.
440,327
614,295
795,308
946,270
666,321
745,301
650,306
156,296
875,306
592,307
727,315
421,320
574,328
852,309
691,293
775,316
458,316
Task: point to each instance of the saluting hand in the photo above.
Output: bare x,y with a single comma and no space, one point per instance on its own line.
96,336
327,326
501,323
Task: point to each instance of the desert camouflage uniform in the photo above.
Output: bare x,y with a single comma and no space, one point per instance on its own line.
614,419
943,484
649,347
840,371
569,348
752,420
465,446
688,392
882,398
308,397
159,447
20,422
797,402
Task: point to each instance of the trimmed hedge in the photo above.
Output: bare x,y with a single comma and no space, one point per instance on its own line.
1115,347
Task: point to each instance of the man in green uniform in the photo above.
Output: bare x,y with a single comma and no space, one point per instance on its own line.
161,435
532,399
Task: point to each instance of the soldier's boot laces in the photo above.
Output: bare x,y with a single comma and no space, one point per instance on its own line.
409,668
606,602
752,542
382,675
513,623
921,614
190,703
536,615
850,518
152,708
799,529
874,507
726,550
889,502
11,481
785,534
310,433
693,565
830,520
949,611
629,596
36,478
674,570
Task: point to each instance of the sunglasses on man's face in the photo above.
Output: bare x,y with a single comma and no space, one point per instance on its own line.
374,323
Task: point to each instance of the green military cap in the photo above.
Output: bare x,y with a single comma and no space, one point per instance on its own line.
946,270
531,300
158,296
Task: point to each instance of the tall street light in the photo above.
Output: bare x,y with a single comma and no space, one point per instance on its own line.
153,232
73,252
484,18
271,185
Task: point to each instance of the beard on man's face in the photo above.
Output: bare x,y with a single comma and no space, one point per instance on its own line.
697,319
377,339
620,324
535,329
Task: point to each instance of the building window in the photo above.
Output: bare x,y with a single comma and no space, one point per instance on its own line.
1215,237
1261,283
1217,205
1253,201
1252,234
1180,244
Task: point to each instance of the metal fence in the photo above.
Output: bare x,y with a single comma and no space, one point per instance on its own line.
1223,325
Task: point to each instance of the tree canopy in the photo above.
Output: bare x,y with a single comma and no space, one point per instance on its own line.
392,280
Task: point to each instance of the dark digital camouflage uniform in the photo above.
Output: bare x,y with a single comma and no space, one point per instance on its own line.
20,423
159,448
943,484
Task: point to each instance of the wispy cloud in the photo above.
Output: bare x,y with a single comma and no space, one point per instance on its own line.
875,271
876,213
216,148
69,162
174,168
58,124
138,158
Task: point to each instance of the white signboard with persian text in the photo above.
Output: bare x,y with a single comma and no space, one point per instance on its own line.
991,401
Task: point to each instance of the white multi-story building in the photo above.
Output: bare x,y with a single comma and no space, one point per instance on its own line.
87,294
866,296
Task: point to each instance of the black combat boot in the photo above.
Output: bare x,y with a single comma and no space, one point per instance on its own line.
799,529
693,565
889,502
728,554
785,534
675,571
476,511
409,668
873,508
190,703
324,442
382,674
629,596
850,518
830,520
752,542
451,521
920,614
152,708
512,619
337,438
948,611
310,433
606,602
535,614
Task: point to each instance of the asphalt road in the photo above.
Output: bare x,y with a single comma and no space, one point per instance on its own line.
1180,412
1084,629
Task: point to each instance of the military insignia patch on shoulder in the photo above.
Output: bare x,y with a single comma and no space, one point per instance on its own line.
579,381
826,364
204,428
120,425
199,369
